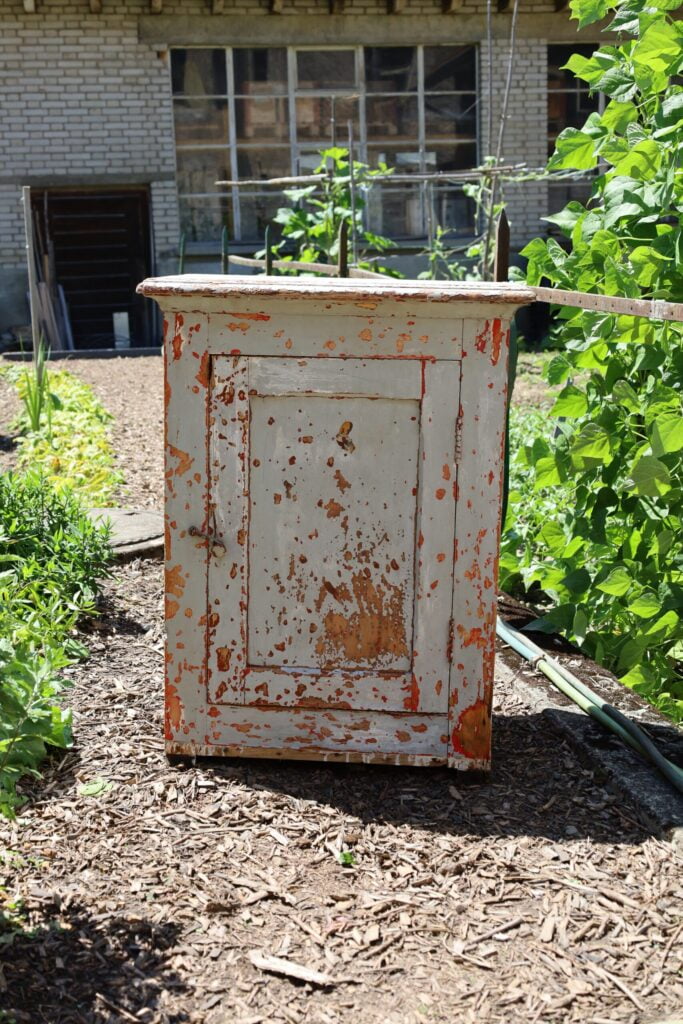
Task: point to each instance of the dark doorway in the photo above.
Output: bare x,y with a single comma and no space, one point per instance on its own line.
102,250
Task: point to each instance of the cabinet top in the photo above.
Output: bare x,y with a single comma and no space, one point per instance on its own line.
194,286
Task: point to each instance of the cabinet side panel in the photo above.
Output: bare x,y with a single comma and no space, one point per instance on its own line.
186,388
483,397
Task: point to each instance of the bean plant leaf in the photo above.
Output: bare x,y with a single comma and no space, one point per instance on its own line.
575,150
666,433
650,477
645,605
618,582
571,403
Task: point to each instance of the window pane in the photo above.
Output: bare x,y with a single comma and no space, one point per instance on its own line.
315,114
390,68
327,69
264,118
450,68
396,212
199,170
260,72
403,159
451,116
200,121
451,158
453,211
560,77
198,72
202,217
262,162
257,210
388,116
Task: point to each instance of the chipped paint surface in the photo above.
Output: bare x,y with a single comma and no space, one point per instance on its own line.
333,483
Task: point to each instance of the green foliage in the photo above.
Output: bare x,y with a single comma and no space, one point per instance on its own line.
310,226
72,450
51,556
601,539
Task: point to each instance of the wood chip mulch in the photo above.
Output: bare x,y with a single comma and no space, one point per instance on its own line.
213,892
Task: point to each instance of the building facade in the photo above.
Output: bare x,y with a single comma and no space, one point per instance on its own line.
122,114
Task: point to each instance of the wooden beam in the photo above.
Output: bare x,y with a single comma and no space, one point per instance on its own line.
217,6
276,6
95,6
156,6
30,6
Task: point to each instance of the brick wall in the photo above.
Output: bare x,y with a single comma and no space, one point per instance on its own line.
83,100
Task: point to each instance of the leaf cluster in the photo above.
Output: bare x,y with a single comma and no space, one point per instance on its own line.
610,560
311,225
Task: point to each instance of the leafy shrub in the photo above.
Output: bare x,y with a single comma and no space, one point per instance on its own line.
610,559
51,557
72,448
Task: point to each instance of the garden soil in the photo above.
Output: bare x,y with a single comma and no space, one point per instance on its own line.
154,892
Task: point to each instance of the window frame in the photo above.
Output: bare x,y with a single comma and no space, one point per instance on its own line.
296,147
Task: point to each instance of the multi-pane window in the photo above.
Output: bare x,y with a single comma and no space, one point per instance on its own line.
250,114
569,104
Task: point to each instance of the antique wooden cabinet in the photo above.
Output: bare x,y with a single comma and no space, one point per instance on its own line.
334,460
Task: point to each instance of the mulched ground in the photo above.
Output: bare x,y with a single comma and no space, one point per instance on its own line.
530,897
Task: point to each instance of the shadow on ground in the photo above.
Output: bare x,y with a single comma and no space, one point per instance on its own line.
537,788
70,967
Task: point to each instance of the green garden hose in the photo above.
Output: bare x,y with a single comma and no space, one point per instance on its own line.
590,702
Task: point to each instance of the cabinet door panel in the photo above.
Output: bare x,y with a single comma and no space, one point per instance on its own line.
325,492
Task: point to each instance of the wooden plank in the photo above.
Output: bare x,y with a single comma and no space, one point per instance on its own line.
312,268
403,335
227,575
483,396
349,377
434,538
186,395
653,309
356,735
369,691
332,523
501,263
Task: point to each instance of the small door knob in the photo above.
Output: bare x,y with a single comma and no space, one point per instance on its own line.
217,546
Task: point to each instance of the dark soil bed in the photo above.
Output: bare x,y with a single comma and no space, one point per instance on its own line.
531,896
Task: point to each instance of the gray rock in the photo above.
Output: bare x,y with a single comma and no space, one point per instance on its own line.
136,533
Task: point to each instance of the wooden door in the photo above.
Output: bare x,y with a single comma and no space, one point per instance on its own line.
332,508
102,249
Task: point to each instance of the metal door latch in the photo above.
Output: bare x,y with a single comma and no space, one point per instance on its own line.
217,547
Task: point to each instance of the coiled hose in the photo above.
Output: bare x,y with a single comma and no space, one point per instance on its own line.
590,702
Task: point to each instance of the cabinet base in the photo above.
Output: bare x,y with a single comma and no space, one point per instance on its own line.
185,750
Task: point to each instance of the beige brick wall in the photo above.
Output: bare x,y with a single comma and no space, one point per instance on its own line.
82,99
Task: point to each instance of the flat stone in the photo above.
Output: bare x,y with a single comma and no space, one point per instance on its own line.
136,533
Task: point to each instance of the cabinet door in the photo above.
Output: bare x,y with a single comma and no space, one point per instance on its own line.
332,501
